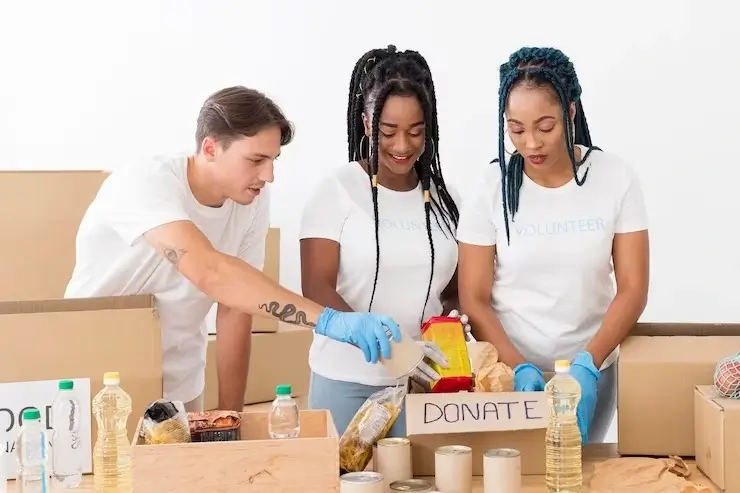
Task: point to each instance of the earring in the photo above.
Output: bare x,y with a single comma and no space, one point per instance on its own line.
359,150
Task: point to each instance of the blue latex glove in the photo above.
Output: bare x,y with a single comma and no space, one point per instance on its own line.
364,330
587,375
528,378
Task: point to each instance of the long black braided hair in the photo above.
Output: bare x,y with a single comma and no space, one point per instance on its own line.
538,67
378,75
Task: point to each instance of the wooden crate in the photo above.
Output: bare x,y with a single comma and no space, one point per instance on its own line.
256,463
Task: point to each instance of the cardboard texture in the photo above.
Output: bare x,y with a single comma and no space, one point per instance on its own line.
480,420
279,358
254,463
52,218
84,338
717,437
659,365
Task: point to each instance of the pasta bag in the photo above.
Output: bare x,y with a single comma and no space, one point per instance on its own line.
372,422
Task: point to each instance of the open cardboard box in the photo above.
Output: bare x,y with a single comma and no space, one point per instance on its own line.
255,463
480,420
717,437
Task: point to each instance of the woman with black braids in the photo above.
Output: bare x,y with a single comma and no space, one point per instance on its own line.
379,233
552,219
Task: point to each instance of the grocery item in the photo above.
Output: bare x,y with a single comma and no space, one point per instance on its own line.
491,375
502,471
392,459
112,455
284,420
727,377
412,486
453,469
448,334
563,462
215,426
361,482
33,454
65,437
165,422
371,423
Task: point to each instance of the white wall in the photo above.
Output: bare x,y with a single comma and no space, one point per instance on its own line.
87,85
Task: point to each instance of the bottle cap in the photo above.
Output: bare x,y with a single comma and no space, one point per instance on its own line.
66,385
31,414
562,365
283,390
111,378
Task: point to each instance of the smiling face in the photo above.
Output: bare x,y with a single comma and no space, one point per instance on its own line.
535,122
401,134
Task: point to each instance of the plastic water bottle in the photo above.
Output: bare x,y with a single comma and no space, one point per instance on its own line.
32,447
563,468
65,442
112,452
284,421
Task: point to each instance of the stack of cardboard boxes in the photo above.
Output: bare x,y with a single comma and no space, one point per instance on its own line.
54,338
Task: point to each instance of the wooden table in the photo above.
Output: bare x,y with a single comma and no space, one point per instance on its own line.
530,484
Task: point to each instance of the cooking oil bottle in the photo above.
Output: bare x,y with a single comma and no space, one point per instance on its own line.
563,467
112,453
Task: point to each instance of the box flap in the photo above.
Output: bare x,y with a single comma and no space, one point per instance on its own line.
77,304
466,412
685,329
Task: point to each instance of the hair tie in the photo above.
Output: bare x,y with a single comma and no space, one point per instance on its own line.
375,181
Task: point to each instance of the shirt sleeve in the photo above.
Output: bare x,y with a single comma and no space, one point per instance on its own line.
252,249
477,226
632,214
140,198
325,212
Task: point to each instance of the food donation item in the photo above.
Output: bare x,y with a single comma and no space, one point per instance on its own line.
165,422
448,334
215,426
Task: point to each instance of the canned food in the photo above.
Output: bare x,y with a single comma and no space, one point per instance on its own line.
502,471
412,485
362,477
384,442
502,452
361,482
454,450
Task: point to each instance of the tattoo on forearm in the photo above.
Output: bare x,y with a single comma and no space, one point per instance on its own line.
288,313
173,254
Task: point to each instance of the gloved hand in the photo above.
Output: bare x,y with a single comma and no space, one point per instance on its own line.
364,330
425,374
587,375
463,320
528,378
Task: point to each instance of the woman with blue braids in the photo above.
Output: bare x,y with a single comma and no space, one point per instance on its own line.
551,220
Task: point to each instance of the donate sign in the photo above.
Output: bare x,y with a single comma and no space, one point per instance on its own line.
18,396
472,412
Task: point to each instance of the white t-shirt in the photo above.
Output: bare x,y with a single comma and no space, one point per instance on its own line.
114,259
341,209
553,283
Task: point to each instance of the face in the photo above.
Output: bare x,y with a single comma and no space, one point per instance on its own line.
536,128
402,132
243,168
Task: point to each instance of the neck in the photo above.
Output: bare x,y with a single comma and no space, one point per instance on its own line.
392,181
202,183
558,175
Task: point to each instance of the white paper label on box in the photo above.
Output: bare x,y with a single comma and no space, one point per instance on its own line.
473,412
18,396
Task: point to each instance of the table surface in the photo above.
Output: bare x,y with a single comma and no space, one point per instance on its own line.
530,484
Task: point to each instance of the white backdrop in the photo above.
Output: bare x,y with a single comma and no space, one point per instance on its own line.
85,85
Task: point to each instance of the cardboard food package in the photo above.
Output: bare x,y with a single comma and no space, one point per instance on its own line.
659,365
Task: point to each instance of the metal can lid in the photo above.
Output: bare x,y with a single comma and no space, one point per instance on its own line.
384,442
419,485
502,452
454,450
362,477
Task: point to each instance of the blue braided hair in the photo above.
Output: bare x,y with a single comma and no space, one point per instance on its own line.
548,67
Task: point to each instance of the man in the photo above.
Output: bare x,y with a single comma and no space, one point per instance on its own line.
191,230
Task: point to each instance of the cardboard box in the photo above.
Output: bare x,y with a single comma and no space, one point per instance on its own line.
659,365
717,437
83,339
479,420
309,463
53,218
279,358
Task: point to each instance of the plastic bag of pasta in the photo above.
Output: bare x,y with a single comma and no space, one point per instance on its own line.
371,423
165,422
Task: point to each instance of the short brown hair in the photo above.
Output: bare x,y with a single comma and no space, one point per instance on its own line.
238,111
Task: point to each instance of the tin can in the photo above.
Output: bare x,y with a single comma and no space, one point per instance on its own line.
453,469
405,356
502,471
393,459
361,482
412,486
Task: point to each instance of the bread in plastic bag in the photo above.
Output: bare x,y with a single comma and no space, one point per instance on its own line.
371,423
165,422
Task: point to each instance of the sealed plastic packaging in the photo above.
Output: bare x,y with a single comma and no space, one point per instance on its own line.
215,426
165,422
372,422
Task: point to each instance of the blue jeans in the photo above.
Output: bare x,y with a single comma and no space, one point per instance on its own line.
606,404
344,399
